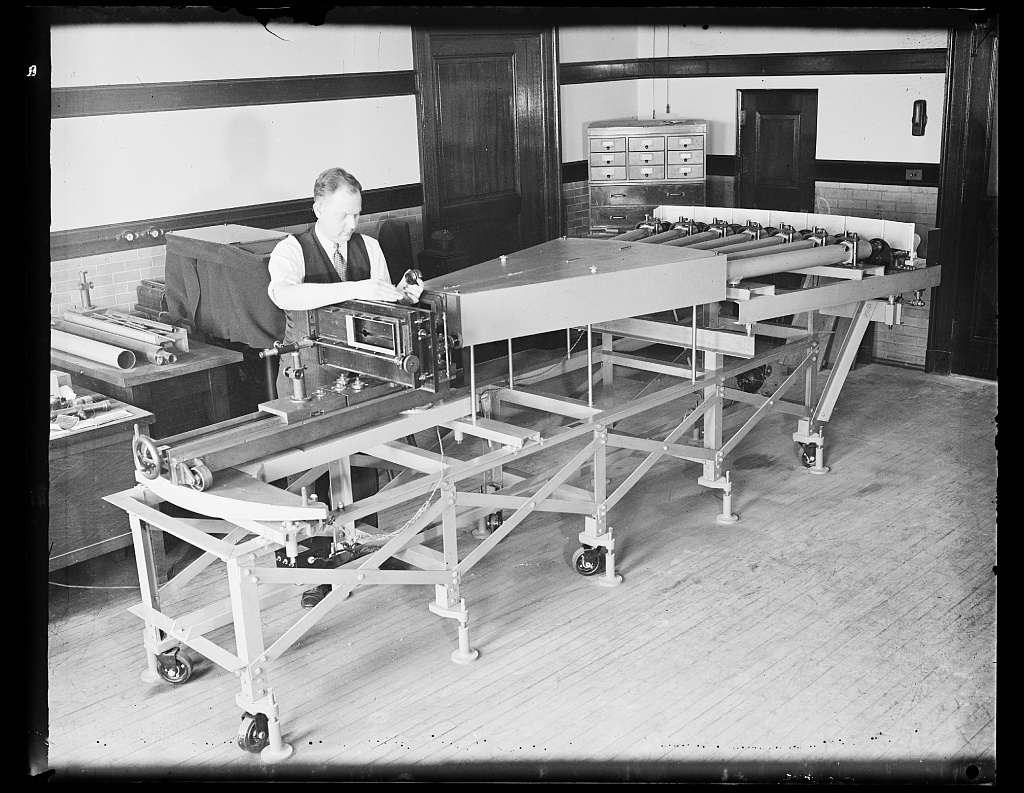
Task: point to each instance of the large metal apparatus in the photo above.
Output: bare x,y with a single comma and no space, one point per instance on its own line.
390,372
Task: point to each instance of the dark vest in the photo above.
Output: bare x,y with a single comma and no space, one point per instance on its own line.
319,270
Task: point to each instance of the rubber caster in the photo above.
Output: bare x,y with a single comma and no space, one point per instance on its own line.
253,733
201,478
174,668
494,521
589,561
147,458
808,454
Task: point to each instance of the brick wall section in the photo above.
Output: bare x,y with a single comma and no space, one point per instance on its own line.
575,208
115,277
905,344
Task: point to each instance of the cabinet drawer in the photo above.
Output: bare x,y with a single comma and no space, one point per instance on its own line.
646,172
607,144
620,217
608,158
685,157
607,174
683,142
646,194
686,172
647,143
647,158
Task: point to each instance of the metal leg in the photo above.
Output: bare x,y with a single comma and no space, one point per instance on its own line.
256,696
447,599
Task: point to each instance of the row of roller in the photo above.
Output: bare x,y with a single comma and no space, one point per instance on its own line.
756,250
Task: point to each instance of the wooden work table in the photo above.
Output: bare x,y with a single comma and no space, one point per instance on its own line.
186,395
87,463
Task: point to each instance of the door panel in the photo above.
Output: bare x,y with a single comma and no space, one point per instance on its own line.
777,137
488,143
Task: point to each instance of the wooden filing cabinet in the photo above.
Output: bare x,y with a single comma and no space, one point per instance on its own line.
637,165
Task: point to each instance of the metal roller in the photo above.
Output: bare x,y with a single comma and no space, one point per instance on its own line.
798,260
765,242
665,236
689,241
729,239
633,236
92,350
784,247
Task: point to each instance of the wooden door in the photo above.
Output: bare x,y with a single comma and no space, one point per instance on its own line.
489,148
776,143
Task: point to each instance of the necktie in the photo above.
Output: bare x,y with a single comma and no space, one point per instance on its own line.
339,261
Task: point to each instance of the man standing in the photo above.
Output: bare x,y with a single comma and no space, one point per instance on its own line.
325,264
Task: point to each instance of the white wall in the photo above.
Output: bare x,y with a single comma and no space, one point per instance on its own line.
860,117
110,169
140,53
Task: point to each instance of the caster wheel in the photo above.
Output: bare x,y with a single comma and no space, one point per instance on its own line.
147,458
808,454
494,521
253,733
202,478
588,561
175,669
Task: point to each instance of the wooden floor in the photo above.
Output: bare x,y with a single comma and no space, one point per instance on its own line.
844,629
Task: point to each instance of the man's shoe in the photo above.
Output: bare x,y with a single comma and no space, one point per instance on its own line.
313,596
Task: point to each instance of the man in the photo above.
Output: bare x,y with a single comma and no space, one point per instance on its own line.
325,264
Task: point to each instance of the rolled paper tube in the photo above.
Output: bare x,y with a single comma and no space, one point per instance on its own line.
729,239
113,327
665,236
693,239
795,261
113,339
92,350
799,245
750,245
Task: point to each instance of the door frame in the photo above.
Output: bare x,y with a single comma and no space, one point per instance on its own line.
963,190
427,132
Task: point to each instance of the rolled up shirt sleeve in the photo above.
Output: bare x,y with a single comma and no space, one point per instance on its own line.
286,266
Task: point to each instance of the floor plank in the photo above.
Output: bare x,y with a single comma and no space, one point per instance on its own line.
846,622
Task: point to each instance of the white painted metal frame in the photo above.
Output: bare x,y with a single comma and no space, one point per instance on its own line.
242,538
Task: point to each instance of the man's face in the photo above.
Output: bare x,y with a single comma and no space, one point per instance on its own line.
338,214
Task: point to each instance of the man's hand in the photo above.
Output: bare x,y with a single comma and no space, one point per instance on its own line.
372,289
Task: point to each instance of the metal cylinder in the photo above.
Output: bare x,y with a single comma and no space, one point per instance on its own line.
111,327
729,239
693,239
111,338
798,260
751,245
665,236
92,350
632,236
786,247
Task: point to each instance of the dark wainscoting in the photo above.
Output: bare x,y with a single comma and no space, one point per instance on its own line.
106,239
852,171
776,64
107,100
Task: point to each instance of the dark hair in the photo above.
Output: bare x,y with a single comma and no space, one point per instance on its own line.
334,179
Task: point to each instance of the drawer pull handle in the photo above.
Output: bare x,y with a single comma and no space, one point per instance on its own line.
618,195
618,217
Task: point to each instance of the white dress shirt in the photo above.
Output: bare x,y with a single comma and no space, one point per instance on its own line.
287,265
